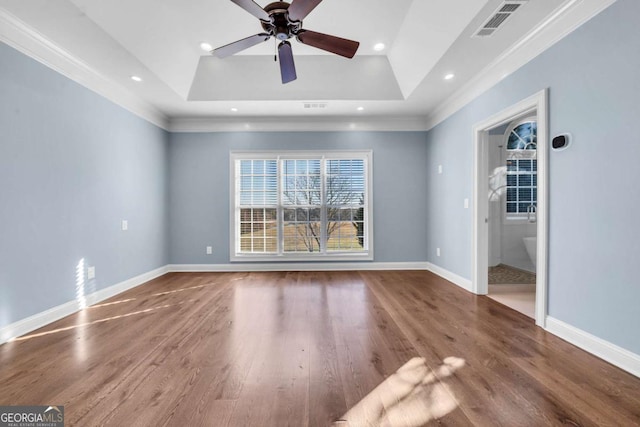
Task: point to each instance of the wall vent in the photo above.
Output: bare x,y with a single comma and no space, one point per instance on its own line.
315,105
497,18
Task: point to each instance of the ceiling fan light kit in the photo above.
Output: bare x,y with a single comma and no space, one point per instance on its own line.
283,21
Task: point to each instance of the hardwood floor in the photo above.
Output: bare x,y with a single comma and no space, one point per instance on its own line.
396,348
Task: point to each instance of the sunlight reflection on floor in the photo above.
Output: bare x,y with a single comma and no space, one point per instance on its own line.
79,325
411,397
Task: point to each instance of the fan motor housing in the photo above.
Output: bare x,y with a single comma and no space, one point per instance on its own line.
280,26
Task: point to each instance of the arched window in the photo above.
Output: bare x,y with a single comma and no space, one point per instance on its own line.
522,169
523,136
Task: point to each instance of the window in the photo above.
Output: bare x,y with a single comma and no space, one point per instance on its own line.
522,169
303,205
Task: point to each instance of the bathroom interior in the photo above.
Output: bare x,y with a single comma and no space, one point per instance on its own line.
512,214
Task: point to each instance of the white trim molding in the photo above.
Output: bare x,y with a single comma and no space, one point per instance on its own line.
617,356
564,20
299,124
35,45
296,266
451,277
41,319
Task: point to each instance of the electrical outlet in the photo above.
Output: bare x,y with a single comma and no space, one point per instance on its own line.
125,225
437,251
209,250
91,272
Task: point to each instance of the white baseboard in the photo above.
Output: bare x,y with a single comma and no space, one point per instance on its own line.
297,266
41,319
452,277
618,356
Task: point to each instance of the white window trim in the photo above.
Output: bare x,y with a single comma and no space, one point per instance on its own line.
234,227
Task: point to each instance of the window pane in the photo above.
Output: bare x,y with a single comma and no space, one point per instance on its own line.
258,167
524,164
255,225
524,180
301,237
523,137
305,192
289,214
524,194
345,236
245,167
345,199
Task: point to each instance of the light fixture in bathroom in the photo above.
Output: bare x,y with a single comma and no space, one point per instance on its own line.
449,76
378,47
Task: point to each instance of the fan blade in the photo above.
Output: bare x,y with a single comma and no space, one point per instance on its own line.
333,44
299,9
253,8
287,67
240,45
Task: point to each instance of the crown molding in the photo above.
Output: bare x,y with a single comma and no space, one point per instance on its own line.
298,124
556,26
30,42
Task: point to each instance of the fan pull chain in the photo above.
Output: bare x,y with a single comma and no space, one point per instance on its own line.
275,50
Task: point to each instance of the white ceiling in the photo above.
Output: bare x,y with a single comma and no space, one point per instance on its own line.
159,41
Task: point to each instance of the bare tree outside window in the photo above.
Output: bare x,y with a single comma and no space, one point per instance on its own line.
344,210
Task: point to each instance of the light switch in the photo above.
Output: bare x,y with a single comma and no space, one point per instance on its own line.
91,272
439,169
466,203
125,225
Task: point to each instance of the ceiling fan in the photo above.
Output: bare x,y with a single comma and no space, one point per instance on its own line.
283,20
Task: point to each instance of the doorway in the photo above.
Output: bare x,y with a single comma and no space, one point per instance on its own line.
526,216
512,158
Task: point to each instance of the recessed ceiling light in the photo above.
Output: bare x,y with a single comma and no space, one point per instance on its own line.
449,76
360,108
378,47
234,109
136,78
206,47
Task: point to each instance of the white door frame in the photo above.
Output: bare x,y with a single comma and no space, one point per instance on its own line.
537,104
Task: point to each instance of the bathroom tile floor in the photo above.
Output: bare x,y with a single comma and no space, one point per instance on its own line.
503,274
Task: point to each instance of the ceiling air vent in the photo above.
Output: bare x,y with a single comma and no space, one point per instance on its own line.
315,105
497,18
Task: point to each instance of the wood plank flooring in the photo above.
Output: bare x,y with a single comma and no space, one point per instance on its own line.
392,348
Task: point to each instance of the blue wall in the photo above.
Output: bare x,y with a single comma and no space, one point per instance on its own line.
72,166
199,188
592,76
